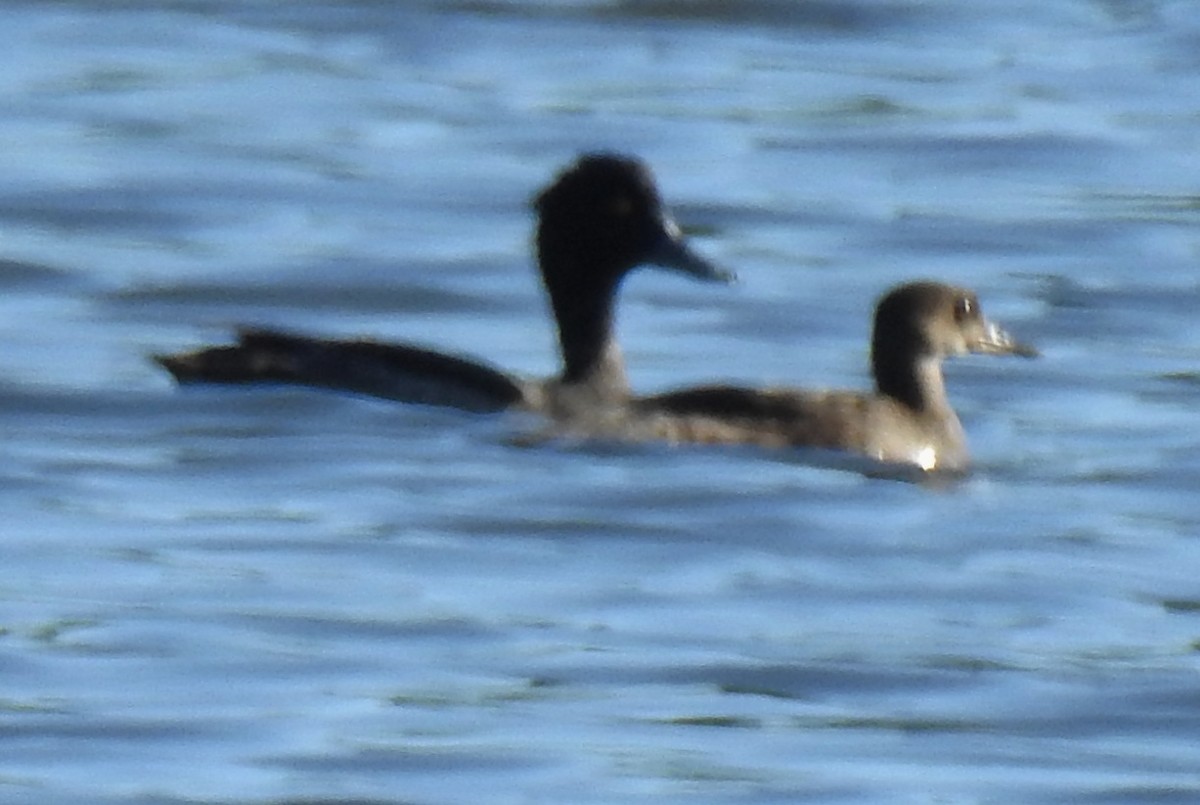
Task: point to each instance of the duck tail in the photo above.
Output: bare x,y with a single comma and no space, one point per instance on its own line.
399,372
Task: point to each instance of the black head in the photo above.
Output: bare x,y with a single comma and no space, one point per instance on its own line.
597,221
603,216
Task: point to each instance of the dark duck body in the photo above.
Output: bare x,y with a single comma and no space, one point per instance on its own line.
598,220
907,419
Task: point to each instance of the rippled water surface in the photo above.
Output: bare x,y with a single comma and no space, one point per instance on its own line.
264,596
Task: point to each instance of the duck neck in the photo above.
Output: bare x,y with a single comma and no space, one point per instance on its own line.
583,313
916,381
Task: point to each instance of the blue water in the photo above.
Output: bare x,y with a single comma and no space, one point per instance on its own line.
265,596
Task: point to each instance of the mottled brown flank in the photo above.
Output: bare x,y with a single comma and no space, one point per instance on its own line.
768,418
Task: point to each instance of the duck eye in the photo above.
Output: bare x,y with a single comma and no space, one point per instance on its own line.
964,309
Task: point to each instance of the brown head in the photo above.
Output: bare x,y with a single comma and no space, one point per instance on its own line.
922,322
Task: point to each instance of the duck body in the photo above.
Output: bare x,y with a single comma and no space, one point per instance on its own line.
907,419
875,426
600,219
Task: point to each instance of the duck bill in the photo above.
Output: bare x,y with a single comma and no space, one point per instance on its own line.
995,340
672,251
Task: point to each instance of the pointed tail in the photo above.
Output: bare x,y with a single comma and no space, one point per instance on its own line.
390,371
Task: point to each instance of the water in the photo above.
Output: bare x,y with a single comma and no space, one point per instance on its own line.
280,596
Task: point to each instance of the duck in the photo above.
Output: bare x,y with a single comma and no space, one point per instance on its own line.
598,220
905,421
